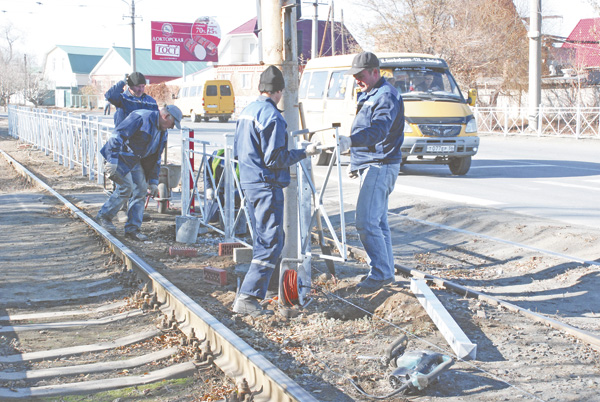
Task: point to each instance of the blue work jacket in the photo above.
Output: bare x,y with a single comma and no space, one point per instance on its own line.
125,102
378,128
138,139
261,146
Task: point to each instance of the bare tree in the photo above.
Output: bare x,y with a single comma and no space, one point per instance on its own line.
17,75
478,38
595,5
37,91
10,82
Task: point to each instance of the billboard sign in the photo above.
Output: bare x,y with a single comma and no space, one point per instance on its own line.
179,41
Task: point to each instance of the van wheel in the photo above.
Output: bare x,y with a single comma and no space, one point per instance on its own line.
460,166
224,119
323,159
206,118
194,117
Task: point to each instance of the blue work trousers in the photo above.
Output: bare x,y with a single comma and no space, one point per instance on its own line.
133,189
265,206
376,184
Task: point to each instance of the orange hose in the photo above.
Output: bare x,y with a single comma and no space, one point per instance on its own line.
290,286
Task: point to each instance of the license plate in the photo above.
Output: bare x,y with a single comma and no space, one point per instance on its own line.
440,148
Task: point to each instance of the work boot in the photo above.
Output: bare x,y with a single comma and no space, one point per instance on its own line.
137,235
106,223
246,304
370,285
271,293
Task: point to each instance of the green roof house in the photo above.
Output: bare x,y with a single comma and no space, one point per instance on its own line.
116,63
67,69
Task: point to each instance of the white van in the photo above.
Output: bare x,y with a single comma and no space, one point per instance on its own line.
440,127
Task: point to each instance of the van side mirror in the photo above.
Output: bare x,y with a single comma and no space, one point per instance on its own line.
472,97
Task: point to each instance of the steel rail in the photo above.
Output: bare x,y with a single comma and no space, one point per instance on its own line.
585,336
233,355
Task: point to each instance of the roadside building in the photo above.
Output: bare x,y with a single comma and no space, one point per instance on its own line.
117,62
67,70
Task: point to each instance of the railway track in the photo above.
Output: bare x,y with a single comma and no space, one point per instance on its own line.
125,273
64,323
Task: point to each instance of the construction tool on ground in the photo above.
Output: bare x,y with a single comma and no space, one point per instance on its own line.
413,370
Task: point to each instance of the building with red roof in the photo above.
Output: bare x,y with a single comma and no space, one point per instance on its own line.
583,44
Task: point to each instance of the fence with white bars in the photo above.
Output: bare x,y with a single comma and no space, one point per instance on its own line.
574,122
210,192
74,140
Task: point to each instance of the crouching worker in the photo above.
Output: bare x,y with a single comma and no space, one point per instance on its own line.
132,156
261,148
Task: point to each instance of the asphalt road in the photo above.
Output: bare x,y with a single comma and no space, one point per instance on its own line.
554,178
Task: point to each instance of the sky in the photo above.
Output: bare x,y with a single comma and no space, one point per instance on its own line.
42,24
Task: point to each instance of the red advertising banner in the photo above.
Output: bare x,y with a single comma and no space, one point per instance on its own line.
181,41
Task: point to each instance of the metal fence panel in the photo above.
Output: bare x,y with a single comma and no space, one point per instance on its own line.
574,122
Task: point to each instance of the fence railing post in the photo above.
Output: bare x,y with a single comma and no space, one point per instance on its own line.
540,120
229,217
505,128
185,174
578,122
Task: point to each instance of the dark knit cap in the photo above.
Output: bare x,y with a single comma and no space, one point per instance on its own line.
136,79
271,80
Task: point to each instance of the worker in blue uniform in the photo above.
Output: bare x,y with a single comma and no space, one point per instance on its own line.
261,149
134,98
132,156
374,142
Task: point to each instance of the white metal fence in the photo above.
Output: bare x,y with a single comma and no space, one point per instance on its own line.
212,193
87,101
575,122
72,140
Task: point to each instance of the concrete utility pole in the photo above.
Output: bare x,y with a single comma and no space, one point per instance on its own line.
314,43
133,66
535,61
343,33
274,52
291,75
315,32
332,30
259,28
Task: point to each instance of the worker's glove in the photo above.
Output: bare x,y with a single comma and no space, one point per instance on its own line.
345,144
111,172
353,174
153,190
110,169
313,149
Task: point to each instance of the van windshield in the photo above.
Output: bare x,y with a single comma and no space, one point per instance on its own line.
423,83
